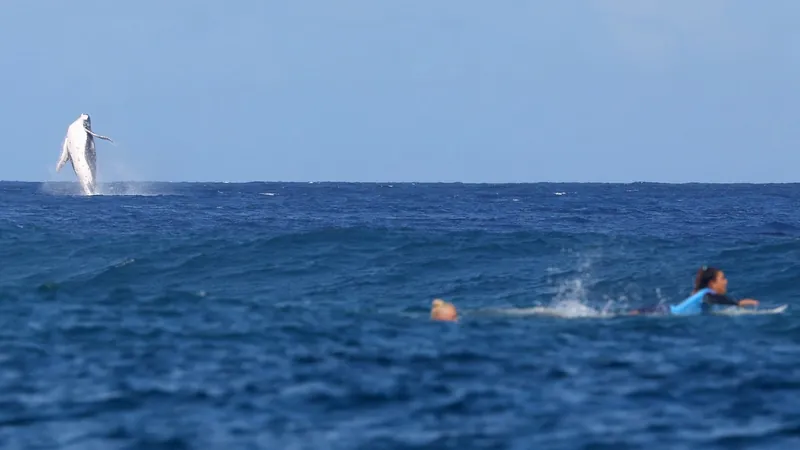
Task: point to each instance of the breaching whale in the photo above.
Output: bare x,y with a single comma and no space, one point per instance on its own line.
78,147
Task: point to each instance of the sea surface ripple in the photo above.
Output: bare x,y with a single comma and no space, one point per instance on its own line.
296,316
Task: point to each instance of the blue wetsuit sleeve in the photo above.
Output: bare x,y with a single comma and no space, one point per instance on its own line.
717,299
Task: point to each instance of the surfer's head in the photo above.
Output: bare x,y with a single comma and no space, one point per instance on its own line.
712,278
441,310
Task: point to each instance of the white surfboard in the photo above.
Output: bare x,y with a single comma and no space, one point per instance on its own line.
752,311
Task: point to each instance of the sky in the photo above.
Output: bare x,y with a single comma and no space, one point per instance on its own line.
413,90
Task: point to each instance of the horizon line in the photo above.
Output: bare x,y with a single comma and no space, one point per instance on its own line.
405,182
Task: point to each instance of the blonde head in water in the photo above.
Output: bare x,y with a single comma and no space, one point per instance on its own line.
442,310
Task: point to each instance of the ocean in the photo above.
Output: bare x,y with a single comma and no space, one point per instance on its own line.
296,316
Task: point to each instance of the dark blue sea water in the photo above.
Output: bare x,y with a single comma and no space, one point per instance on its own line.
296,316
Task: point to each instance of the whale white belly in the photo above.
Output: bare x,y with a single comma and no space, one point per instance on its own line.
81,152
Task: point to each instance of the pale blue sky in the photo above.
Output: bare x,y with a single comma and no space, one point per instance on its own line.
413,90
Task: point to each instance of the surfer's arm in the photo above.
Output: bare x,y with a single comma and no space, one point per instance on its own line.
717,299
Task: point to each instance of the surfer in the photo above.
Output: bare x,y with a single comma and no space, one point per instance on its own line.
442,310
710,289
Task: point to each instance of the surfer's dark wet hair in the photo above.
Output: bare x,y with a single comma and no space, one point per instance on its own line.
704,276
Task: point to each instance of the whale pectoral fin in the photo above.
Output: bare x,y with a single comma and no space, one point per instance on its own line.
64,156
99,136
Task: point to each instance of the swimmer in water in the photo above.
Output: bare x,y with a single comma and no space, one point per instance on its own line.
442,310
710,287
